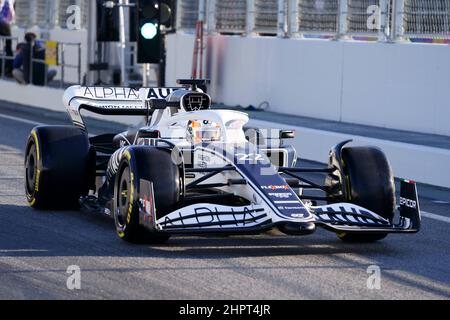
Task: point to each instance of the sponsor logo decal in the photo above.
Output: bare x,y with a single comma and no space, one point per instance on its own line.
36,183
290,208
111,93
204,157
203,161
118,107
249,157
281,195
116,93
217,217
274,187
408,203
147,205
160,93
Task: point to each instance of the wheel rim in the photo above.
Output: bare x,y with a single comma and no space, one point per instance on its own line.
30,170
123,198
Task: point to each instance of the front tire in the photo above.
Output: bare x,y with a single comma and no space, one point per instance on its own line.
369,182
156,166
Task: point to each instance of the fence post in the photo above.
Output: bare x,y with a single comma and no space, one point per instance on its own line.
30,78
45,74
250,18
3,43
398,15
293,18
281,19
178,15
202,10
123,41
211,18
79,63
63,63
383,27
54,14
342,19
33,13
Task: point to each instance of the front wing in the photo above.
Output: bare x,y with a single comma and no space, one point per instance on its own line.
218,219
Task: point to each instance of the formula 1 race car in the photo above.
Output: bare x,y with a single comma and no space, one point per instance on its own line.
195,170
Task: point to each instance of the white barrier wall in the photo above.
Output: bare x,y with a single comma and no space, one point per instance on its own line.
401,86
45,98
409,161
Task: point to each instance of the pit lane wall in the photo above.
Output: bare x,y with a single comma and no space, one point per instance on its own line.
394,85
419,163
43,99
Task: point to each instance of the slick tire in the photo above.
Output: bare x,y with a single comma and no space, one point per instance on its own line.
369,182
156,166
58,165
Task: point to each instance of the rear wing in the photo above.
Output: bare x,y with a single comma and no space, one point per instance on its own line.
115,101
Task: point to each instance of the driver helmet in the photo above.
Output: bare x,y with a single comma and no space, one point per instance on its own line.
203,131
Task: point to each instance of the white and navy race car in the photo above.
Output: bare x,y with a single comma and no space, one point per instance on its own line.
195,170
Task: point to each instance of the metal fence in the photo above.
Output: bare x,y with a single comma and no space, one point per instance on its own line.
318,17
48,13
231,16
426,18
62,62
188,14
384,19
363,15
266,16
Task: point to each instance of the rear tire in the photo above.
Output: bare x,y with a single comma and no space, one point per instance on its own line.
369,183
57,167
156,166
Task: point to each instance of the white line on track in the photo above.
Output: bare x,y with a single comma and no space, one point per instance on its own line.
36,123
425,214
433,216
440,202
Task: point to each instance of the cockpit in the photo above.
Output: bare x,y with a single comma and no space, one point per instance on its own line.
203,131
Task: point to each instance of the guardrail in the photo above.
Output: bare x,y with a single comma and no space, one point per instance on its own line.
61,60
390,20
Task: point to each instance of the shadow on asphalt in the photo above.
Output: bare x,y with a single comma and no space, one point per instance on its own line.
53,233
72,234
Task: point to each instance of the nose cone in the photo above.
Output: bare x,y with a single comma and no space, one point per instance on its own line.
297,228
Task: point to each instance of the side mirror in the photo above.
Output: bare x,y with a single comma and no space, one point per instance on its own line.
157,104
149,134
287,134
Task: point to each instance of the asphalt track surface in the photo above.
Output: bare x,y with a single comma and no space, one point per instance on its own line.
36,248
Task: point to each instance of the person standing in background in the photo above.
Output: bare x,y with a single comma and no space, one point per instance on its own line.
7,15
18,64
25,71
